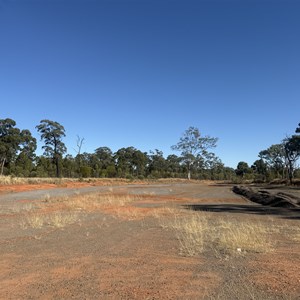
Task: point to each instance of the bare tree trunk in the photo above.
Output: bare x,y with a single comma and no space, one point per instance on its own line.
80,142
189,174
189,171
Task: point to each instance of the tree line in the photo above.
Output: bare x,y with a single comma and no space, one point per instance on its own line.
195,157
18,157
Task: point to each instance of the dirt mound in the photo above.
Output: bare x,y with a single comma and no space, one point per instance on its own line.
264,197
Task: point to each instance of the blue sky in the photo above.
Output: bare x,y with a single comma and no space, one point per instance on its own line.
139,73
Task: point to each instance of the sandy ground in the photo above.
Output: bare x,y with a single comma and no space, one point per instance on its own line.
122,251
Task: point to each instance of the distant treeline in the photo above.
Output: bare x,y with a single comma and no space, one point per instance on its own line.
18,158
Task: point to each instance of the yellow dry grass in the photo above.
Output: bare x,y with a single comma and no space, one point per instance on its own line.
61,219
198,232
244,236
58,220
96,201
33,220
12,180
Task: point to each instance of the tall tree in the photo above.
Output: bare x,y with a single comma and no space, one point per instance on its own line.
274,157
130,162
14,143
105,161
9,141
173,165
157,163
292,152
52,133
194,147
260,169
242,169
105,155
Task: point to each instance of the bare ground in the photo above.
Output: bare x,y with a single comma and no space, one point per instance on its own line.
122,252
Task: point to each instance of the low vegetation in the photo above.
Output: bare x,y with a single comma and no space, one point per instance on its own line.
56,219
196,232
199,232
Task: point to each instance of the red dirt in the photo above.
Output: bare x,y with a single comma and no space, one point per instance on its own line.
9,188
114,252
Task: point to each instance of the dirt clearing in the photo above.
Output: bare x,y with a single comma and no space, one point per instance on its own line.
160,241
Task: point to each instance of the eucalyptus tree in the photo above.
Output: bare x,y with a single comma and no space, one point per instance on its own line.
52,133
130,162
26,156
275,158
173,165
157,163
105,157
194,148
9,141
242,169
260,169
15,143
292,154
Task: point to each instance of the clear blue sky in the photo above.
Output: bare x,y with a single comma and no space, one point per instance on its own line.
138,72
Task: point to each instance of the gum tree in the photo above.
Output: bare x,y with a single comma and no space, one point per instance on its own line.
292,152
194,148
52,133
15,143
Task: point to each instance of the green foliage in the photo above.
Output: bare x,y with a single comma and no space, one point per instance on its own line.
15,144
130,161
52,133
242,169
292,154
85,171
274,158
193,148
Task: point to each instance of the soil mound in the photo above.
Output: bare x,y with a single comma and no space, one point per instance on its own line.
264,197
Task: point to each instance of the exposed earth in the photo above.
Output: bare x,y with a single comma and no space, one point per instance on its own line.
112,242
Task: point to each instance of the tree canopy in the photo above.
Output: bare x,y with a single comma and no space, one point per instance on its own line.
194,148
52,133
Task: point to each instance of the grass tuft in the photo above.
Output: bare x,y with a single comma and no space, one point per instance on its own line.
33,220
199,232
60,220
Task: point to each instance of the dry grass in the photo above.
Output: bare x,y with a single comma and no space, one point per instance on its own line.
116,204
8,180
96,201
241,237
199,232
58,220
33,220
59,212
294,233
12,180
240,289
22,208
192,234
